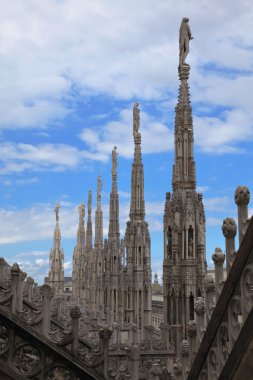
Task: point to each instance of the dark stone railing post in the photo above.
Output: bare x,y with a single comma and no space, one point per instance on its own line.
47,295
30,282
15,271
75,314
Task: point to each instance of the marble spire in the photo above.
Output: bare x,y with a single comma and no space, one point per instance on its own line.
89,224
184,266
56,272
184,175
99,216
79,256
137,276
114,200
137,209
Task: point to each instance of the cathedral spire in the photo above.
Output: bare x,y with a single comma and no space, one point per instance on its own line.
184,166
89,225
78,256
81,230
114,199
56,272
99,216
137,209
184,224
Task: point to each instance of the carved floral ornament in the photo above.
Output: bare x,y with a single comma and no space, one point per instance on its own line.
4,339
242,195
27,359
60,373
192,329
199,306
229,228
247,287
235,317
213,363
223,342
218,257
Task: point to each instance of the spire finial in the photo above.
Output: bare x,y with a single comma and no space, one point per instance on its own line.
57,207
99,186
184,39
114,161
136,119
89,201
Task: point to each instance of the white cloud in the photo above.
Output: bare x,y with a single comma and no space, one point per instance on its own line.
31,254
19,158
38,221
52,51
218,204
202,189
211,221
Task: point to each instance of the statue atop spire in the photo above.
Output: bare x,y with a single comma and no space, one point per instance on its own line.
99,188
57,207
89,201
184,39
136,119
114,161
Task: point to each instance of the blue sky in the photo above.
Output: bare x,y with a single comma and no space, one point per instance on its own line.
71,71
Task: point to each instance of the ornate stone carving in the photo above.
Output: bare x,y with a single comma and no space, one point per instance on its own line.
114,161
26,360
242,195
192,329
57,208
15,268
4,339
60,373
199,306
213,364
185,349
177,367
223,342
247,287
229,228
136,119
235,317
75,312
218,257
209,283
46,290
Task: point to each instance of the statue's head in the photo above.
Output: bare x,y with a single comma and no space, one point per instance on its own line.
185,19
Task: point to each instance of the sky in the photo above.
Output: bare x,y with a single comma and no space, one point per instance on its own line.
70,72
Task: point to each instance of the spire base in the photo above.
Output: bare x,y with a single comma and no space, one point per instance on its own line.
184,72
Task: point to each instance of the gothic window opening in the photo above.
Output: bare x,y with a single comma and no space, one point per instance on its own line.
139,254
169,242
191,307
190,242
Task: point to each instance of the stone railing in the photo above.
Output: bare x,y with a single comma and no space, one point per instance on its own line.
225,318
112,351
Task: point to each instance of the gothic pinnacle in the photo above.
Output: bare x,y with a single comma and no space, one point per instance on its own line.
99,188
57,207
114,169
99,216
89,224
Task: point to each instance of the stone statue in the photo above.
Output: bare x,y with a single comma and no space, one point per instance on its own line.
184,38
57,207
114,161
99,185
136,117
